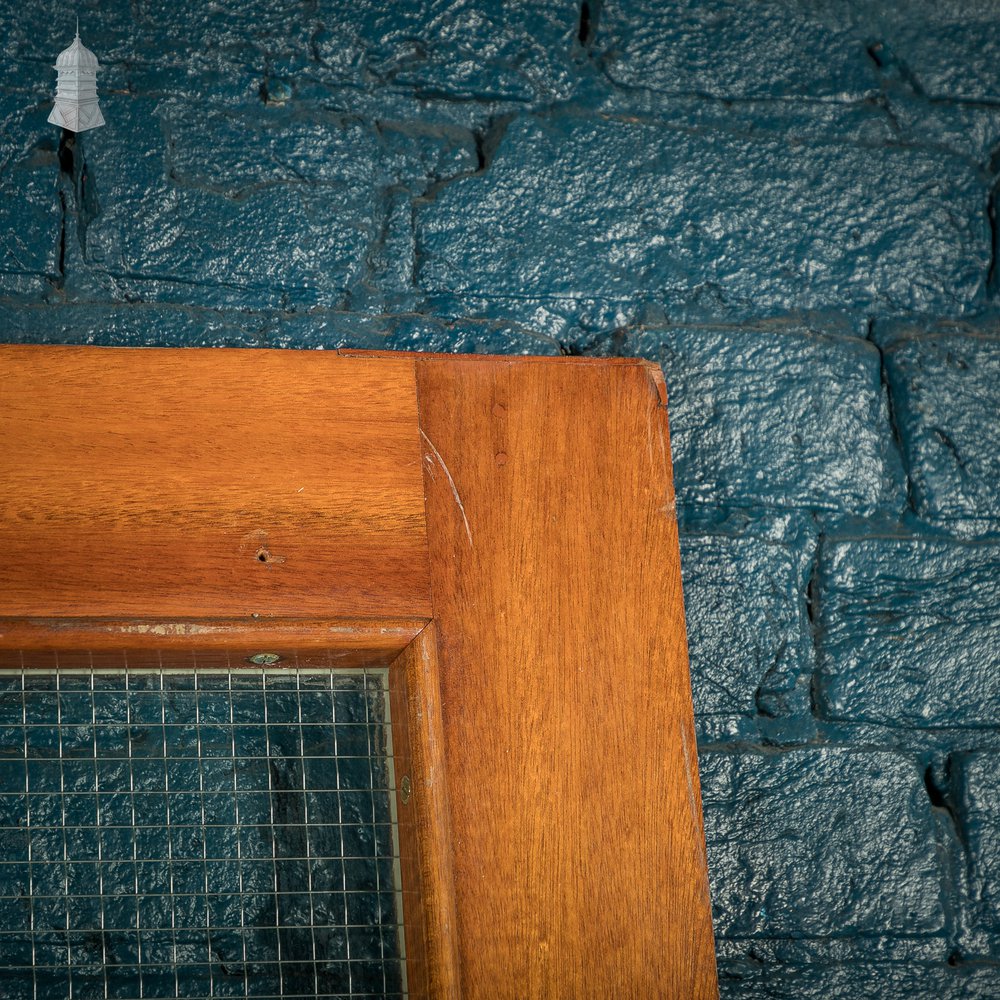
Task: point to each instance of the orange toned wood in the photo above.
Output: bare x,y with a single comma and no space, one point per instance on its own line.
194,507
213,483
343,643
578,852
424,832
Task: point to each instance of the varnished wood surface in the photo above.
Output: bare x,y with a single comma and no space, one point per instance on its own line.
578,851
424,830
553,846
208,483
217,643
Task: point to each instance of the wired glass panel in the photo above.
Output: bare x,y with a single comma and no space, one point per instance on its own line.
197,833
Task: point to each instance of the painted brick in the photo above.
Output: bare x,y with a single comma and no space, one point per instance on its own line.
778,227
255,235
273,212
748,636
178,325
140,325
946,50
945,385
834,50
727,50
581,325
886,981
979,816
260,148
820,843
924,72
827,444
30,211
518,51
971,130
252,152
909,632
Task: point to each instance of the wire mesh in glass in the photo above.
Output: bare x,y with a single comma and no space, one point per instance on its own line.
195,833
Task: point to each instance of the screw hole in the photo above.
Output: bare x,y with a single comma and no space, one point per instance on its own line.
263,555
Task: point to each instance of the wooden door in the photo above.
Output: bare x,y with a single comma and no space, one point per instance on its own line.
500,532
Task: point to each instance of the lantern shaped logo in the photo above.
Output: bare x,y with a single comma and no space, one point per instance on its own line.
76,106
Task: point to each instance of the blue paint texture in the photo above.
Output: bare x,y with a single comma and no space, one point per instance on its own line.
791,206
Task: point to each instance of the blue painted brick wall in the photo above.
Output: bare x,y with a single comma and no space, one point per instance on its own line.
790,206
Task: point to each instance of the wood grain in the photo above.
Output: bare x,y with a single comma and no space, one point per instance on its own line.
578,851
209,483
424,830
220,643
196,506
